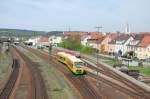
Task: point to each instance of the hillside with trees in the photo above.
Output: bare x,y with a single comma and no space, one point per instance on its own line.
27,33
20,32
56,33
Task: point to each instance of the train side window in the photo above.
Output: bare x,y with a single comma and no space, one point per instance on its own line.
72,65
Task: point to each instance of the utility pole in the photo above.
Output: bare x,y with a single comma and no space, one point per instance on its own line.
97,56
98,28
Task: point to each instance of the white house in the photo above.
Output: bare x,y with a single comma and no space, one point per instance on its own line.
119,45
55,39
38,41
84,40
33,40
143,48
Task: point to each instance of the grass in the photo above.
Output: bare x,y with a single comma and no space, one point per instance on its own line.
111,62
57,89
5,67
5,62
107,58
22,91
145,70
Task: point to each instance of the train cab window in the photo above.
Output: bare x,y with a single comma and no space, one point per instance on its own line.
78,64
62,58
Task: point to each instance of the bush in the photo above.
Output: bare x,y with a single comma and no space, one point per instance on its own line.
86,50
73,43
135,58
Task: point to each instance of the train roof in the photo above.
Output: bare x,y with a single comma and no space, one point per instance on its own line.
66,50
74,58
69,56
63,54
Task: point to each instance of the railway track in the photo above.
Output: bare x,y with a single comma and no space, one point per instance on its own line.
136,91
80,82
38,85
115,85
8,88
120,83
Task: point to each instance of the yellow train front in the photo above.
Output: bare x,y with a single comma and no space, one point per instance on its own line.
73,63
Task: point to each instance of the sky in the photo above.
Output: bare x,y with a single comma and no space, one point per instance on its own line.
78,15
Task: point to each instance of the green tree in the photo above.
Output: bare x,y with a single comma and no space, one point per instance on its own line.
74,43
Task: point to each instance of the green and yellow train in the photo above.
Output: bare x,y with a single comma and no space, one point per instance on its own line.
73,63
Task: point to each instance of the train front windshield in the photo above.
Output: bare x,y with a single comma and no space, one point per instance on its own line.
78,64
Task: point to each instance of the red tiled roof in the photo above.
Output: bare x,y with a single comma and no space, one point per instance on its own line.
74,33
145,33
113,35
146,39
44,39
96,35
145,42
144,45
